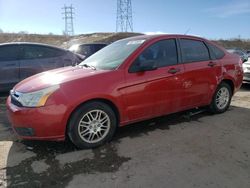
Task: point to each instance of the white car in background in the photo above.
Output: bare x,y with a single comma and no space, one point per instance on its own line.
246,69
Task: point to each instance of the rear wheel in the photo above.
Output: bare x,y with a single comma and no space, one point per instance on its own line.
221,99
92,125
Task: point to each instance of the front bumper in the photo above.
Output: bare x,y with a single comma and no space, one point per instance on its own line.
44,123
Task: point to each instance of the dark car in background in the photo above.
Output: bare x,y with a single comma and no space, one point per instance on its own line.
248,53
87,49
243,55
21,60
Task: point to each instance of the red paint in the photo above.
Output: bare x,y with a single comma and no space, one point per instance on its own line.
137,96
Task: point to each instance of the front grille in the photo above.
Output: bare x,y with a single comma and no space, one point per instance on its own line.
23,131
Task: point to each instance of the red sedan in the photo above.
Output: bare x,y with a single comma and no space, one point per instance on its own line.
128,81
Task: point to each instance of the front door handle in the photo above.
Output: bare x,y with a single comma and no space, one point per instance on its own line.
211,64
173,70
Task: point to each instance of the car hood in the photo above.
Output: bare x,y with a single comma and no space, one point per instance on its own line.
54,77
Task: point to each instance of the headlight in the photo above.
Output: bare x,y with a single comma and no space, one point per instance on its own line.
37,98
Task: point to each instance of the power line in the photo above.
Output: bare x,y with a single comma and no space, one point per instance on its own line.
68,12
124,19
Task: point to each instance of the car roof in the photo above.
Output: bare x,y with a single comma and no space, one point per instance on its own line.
149,37
30,43
90,43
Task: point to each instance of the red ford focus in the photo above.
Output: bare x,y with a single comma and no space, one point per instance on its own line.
128,81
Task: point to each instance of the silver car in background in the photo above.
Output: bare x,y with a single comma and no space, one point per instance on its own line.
243,55
246,69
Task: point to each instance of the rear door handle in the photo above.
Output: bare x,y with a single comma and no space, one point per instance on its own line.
211,64
174,70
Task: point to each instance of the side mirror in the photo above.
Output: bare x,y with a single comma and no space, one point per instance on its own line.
147,66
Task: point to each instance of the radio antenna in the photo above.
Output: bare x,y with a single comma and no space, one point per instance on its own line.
187,31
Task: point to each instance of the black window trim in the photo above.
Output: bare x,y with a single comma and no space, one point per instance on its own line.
177,51
200,40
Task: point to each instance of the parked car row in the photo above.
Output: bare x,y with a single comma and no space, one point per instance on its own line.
21,60
246,69
130,80
245,57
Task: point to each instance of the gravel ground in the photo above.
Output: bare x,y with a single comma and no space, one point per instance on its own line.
179,150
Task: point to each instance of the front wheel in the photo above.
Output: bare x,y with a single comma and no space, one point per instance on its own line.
221,99
92,125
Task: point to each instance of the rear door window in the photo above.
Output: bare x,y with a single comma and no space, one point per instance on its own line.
193,51
39,52
9,53
218,53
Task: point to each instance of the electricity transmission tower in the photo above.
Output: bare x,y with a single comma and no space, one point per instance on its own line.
124,19
68,12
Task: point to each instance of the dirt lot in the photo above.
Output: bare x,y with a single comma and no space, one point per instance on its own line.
174,151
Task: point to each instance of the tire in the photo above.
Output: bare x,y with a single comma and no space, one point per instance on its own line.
221,104
92,125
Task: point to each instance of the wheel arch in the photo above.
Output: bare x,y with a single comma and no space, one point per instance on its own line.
103,100
230,83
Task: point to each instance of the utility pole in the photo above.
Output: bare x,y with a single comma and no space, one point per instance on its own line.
124,19
68,12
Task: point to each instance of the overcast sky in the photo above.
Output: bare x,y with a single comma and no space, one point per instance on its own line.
211,19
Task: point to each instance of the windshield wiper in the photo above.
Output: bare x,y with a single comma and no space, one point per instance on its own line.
88,66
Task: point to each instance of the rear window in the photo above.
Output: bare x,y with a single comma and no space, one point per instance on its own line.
193,51
218,53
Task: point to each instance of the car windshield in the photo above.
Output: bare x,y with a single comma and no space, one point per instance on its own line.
112,56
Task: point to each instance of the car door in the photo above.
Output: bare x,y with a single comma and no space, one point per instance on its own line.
201,72
9,66
158,91
38,58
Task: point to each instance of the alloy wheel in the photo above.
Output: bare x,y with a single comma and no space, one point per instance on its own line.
94,126
222,98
